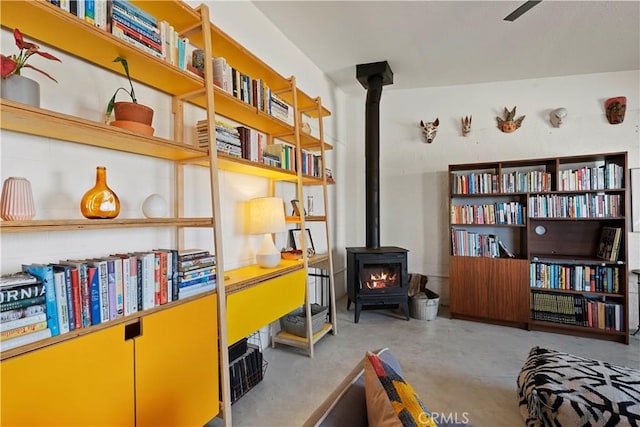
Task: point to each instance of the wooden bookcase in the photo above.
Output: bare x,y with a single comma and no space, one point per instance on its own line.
42,21
548,214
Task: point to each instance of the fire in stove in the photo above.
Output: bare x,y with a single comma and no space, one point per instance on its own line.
382,279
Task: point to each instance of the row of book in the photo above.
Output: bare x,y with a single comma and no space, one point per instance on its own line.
75,294
609,176
577,310
135,26
468,243
246,372
474,183
584,278
488,213
247,143
576,206
252,91
602,177
526,182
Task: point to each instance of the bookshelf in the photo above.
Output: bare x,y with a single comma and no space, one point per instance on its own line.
40,20
550,214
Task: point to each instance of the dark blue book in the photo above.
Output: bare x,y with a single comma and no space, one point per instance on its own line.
45,274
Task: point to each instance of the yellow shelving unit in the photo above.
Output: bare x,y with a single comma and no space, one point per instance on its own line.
221,310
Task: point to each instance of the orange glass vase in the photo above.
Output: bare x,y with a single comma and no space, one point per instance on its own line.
100,202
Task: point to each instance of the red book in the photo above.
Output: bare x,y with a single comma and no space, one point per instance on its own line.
163,279
77,298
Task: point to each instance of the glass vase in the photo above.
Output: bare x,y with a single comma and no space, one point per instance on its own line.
100,202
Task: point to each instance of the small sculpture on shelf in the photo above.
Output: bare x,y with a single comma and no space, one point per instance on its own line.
510,123
429,130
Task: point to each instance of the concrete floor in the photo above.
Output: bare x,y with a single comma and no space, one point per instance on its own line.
459,367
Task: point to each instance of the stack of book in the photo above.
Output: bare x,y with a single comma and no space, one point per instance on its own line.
23,310
196,272
227,137
133,25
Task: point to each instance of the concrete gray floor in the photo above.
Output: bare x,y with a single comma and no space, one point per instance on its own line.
460,367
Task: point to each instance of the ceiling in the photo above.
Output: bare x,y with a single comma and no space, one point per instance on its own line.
444,43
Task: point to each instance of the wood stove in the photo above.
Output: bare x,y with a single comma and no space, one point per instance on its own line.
376,276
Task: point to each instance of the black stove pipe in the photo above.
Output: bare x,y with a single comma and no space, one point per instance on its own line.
372,161
373,76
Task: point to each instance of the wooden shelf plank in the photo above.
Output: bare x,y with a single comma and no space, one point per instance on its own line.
94,224
98,46
37,121
251,275
287,338
7,354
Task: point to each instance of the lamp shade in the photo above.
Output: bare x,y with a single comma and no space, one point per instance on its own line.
266,215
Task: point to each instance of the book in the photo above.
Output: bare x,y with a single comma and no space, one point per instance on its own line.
61,301
21,313
19,278
504,252
93,274
609,243
69,294
103,284
24,321
45,274
23,330
85,292
26,339
21,292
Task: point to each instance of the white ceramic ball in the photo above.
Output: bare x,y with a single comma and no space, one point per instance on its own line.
154,206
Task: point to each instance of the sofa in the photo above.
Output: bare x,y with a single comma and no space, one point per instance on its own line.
347,404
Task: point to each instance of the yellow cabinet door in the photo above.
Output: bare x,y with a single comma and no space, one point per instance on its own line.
176,359
250,309
84,381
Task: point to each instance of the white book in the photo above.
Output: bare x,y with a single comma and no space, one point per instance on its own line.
25,321
197,289
25,339
61,301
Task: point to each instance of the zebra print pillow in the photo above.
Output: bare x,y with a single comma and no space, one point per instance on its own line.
560,389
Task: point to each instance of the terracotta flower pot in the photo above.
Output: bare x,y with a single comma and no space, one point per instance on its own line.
133,112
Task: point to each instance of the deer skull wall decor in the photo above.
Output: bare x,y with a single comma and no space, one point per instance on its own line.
510,123
429,130
466,125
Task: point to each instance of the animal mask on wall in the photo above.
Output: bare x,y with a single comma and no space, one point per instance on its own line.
557,116
615,109
509,124
429,130
466,125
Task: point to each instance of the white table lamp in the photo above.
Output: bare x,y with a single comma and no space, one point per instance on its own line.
266,216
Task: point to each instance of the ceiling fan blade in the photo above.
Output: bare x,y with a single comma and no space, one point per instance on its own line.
525,7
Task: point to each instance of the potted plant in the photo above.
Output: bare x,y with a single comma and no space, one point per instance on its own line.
129,115
15,86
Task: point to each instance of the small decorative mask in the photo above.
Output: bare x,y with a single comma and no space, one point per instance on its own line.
466,125
509,124
557,116
429,130
615,109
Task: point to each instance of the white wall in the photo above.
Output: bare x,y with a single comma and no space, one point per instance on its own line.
60,173
413,174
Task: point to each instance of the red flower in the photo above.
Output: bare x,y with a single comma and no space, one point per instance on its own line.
14,63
